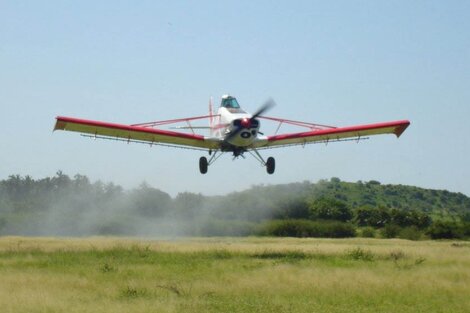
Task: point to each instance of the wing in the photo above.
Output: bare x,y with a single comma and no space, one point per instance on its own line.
333,134
135,133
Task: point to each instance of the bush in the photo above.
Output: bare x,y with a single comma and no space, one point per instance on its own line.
306,228
338,230
360,254
390,231
445,230
466,229
410,233
368,232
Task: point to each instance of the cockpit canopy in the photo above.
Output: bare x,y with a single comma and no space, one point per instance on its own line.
230,103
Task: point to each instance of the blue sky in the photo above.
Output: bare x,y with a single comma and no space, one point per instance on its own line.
338,63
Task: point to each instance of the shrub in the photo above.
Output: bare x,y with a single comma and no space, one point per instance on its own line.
306,228
339,230
445,230
466,229
410,233
390,231
368,232
396,255
360,254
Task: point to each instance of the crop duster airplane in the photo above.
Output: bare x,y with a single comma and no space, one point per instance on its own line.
231,130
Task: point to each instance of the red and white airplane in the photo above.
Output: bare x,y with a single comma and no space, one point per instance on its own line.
231,130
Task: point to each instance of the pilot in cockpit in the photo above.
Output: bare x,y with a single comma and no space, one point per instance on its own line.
230,103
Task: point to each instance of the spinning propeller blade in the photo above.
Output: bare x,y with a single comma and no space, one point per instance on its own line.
265,107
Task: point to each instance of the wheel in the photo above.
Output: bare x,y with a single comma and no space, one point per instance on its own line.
270,165
203,165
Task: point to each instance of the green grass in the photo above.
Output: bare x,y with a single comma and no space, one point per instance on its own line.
233,275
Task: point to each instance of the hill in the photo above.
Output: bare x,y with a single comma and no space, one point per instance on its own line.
440,204
62,205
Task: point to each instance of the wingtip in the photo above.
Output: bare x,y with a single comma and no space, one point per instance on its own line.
401,128
59,125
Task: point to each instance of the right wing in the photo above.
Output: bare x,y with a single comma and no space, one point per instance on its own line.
333,134
135,133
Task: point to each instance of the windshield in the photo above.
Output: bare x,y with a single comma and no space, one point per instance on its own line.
230,103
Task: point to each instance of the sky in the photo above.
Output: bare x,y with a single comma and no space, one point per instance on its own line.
331,62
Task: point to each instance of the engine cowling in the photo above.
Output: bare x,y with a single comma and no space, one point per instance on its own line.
243,132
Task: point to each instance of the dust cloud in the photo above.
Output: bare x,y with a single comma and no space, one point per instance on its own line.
65,206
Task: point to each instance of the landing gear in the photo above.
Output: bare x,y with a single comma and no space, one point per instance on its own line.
270,165
203,164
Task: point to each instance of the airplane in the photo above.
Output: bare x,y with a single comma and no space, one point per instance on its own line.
231,130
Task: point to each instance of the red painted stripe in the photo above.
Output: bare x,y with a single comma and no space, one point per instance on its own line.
61,120
400,128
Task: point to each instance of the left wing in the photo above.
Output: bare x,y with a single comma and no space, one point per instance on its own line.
135,133
333,134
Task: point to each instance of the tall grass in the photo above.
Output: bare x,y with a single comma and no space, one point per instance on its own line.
233,275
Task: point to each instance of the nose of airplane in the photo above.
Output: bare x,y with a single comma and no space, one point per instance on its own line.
245,123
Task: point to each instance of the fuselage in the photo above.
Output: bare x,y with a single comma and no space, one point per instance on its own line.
236,126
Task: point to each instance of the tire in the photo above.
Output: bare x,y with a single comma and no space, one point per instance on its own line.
270,165
203,165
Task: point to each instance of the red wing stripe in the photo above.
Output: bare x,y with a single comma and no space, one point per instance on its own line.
62,122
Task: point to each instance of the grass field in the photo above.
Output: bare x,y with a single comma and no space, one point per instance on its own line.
233,275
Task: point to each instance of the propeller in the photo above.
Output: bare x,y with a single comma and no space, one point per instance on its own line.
245,123
265,107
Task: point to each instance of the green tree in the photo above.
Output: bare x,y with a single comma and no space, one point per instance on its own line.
188,205
292,208
330,209
371,216
150,202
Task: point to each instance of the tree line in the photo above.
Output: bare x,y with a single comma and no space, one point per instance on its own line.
75,206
